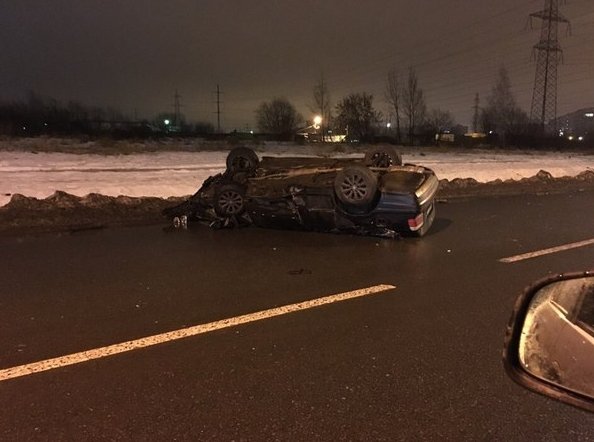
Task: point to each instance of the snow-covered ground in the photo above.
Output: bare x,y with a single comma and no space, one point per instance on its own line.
165,174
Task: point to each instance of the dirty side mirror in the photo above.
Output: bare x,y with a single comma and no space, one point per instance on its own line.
549,342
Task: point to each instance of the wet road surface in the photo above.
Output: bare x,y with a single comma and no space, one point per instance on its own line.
418,361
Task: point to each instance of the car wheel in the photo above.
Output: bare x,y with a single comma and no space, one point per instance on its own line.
230,200
242,159
355,186
383,157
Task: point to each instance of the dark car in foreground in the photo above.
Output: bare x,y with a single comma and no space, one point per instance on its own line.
375,195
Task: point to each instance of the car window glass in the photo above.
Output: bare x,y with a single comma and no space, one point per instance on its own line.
564,296
585,315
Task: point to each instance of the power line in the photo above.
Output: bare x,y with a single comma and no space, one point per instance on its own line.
442,62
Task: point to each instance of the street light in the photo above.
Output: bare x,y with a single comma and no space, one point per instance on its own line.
166,122
317,121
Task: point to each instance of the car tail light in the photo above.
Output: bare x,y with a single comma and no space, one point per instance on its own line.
416,223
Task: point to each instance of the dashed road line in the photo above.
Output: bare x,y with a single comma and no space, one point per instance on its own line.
123,347
537,253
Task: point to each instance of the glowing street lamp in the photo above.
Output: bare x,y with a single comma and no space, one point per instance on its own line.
318,125
166,122
317,121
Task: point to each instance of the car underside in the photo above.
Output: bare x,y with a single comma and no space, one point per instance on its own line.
375,195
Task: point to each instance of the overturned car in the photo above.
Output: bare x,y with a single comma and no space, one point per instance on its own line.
375,195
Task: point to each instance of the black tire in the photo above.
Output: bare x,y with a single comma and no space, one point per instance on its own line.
229,200
383,157
355,186
242,159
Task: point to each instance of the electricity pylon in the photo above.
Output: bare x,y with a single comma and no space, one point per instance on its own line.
548,56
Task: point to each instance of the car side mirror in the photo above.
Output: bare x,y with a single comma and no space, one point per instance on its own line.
549,342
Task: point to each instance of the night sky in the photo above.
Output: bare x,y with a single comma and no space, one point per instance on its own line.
134,54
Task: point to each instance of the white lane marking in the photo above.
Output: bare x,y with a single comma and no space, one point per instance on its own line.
525,256
88,355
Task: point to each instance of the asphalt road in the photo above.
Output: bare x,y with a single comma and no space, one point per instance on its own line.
421,361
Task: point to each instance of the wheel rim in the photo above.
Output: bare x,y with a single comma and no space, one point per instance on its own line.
230,202
354,187
241,163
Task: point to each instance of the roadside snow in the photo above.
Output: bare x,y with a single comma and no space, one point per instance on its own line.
484,166
165,174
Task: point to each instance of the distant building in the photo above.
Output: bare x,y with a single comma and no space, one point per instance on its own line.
579,123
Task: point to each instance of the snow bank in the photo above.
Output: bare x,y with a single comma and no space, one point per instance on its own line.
174,173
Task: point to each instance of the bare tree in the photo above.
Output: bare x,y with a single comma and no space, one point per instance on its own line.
438,120
355,114
502,114
414,103
393,97
322,105
278,117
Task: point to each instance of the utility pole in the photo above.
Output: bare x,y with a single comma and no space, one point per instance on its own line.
548,56
176,110
218,112
475,117
322,89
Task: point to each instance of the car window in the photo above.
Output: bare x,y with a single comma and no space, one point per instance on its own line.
585,315
564,297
